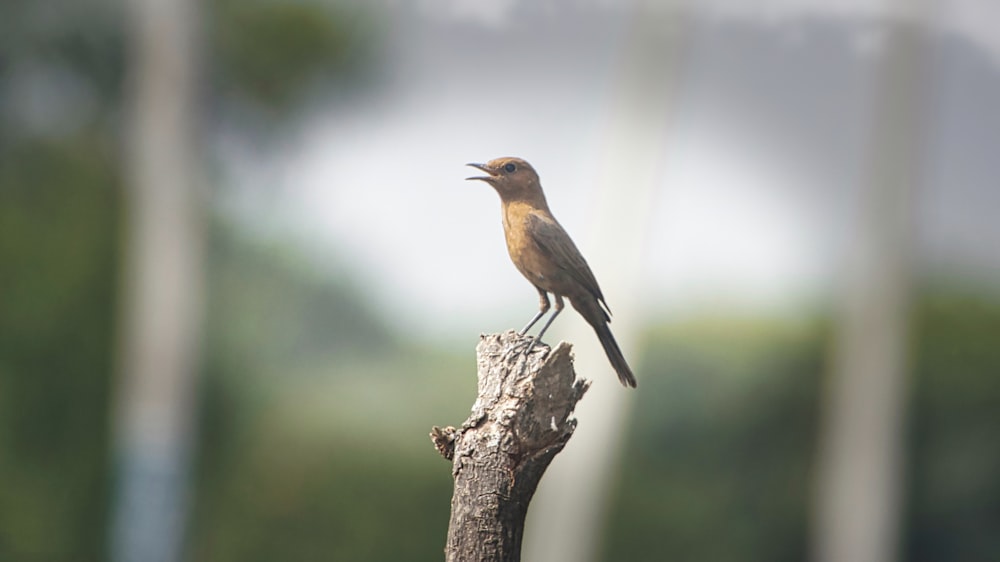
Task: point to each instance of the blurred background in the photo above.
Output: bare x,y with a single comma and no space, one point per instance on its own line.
241,274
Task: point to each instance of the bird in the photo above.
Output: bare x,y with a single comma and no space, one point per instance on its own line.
547,257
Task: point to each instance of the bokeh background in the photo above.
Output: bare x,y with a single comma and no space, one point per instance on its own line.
241,274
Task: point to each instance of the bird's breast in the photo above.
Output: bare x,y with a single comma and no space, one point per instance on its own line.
523,250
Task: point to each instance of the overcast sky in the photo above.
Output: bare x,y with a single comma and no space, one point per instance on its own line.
757,160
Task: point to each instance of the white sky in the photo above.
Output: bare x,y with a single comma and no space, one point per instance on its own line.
975,18
381,183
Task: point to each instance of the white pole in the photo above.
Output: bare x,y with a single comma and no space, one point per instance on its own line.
567,517
161,310
860,478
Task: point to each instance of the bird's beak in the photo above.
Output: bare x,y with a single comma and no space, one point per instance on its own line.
485,168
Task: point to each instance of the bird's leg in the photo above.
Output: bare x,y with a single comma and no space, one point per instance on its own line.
543,307
559,307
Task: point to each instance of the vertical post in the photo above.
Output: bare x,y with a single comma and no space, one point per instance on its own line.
860,477
162,284
566,522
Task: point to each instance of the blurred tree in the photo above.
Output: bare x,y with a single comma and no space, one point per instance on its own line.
58,239
293,462
269,53
61,73
256,286
720,460
954,494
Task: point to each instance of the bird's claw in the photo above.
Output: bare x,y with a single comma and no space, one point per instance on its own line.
531,345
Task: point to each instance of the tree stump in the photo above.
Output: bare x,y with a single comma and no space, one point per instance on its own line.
519,422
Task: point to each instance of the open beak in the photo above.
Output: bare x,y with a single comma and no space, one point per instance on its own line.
485,168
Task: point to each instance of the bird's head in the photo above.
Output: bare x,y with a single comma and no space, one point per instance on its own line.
513,178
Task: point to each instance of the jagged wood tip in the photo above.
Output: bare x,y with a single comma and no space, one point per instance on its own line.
521,419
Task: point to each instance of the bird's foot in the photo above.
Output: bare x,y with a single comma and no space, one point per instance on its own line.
531,345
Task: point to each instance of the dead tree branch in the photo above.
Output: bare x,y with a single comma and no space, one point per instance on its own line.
519,422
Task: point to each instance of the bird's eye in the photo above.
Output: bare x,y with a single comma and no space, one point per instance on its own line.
509,167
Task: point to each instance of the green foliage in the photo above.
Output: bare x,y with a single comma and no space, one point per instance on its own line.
955,420
315,419
83,38
273,311
62,73
270,52
271,490
326,460
314,414
719,462
59,220
717,465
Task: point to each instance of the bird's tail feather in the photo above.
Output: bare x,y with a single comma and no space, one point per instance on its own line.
615,355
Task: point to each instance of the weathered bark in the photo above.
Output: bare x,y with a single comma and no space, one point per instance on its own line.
519,422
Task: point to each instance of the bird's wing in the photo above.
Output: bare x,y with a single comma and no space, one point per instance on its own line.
550,237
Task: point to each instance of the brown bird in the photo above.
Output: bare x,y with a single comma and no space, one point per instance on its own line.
543,252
